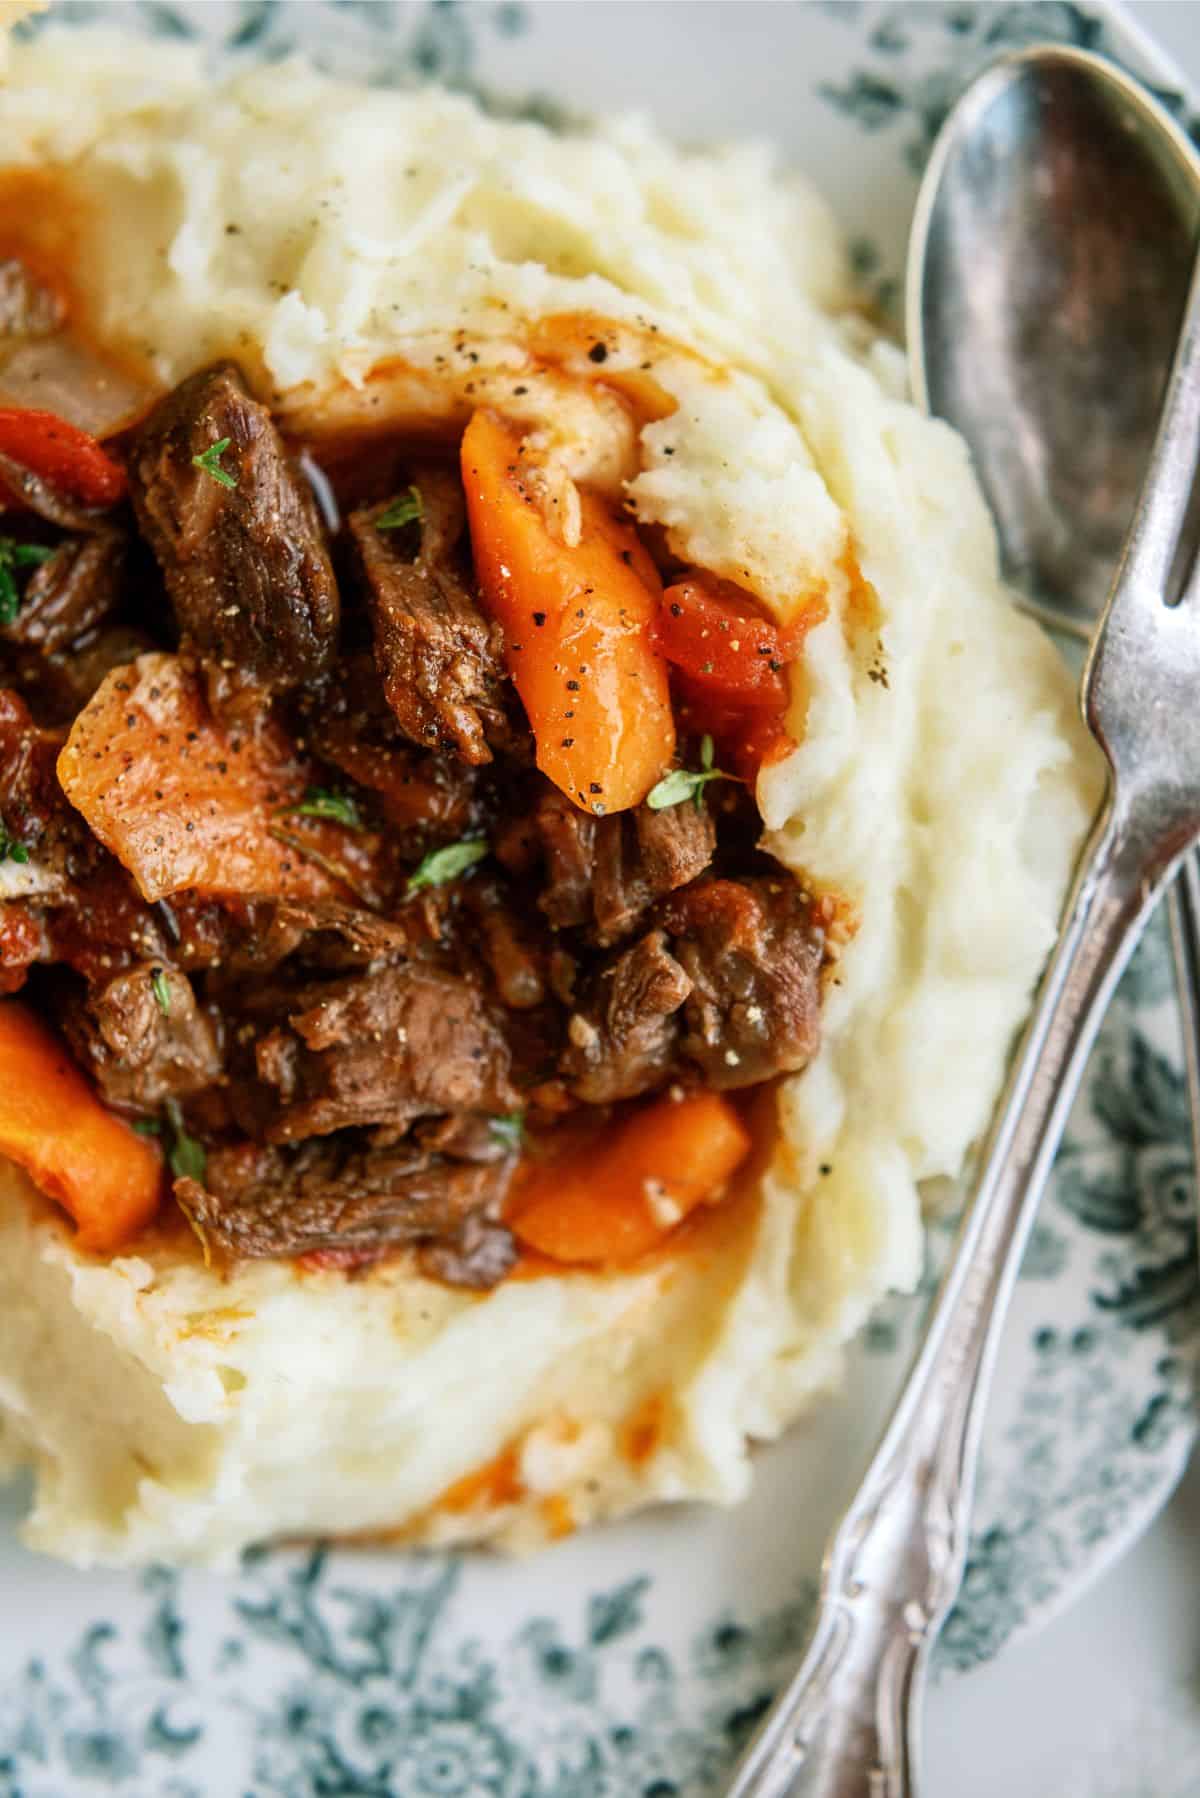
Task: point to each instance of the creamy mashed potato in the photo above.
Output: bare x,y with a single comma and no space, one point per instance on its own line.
373,258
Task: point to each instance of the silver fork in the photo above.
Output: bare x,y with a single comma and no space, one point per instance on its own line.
848,1725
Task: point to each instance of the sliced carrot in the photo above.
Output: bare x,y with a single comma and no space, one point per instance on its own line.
180,801
80,1155
577,622
621,1200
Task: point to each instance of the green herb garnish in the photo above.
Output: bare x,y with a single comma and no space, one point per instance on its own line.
210,461
686,783
441,865
405,510
16,555
161,991
324,802
509,1129
147,1127
186,1156
11,849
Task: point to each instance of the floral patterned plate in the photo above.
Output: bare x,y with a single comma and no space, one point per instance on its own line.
632,1663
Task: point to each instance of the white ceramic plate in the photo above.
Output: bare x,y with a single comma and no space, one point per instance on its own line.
633,1662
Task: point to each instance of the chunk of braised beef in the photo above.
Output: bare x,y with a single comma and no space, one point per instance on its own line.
33,808
314,936
47,502
349,724
643,855
28,307
57,684
507,944
143,1036
261,1201
753,952
567,838
623,1035
23,942
382,1048
243,556
71,593
606,873
441,660
479,1254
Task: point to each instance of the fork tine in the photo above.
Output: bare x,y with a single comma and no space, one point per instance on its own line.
1157,559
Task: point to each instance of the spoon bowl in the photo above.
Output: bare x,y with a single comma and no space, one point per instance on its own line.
1049,267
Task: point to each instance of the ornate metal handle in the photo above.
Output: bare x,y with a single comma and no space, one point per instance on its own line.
894,1566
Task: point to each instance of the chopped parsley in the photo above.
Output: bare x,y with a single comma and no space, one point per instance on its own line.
405,510
210,461
509,1129
687,783
11,850
325,802
185,1155
161,991
16,555
441,865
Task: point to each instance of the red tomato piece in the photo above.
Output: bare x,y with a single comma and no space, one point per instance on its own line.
719,641
61,454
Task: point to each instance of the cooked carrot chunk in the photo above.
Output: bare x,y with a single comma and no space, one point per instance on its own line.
53,1125
620,1201
180,801
578,619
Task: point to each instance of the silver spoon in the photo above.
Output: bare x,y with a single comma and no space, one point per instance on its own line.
1049,264
848,1725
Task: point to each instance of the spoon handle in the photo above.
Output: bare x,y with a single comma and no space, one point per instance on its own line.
847,1725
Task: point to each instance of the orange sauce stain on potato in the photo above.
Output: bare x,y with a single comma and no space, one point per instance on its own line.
558,1516
498,1482
643,1431
863,611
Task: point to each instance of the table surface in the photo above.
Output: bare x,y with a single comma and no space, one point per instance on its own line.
1105,1702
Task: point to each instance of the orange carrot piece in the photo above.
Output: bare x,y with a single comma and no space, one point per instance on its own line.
53,1125
617,1203
578,626
180,801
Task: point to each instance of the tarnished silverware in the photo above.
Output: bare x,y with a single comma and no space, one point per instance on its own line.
848,1725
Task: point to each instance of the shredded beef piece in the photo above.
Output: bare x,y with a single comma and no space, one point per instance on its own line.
382,1048
45,500
753,952
319,935
57,685
33,808
441,659
140,1048
568,840
478,1255
23,942
349,723
28,308
71,593
643,855
245,566
260,1202
608,872
507,946
467,1135
624,1035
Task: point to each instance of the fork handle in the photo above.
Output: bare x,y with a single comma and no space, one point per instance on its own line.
1183,906
893,1568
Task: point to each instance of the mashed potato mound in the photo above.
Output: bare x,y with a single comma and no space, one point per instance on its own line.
376,258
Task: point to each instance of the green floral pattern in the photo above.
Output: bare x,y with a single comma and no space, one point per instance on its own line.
331,1676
